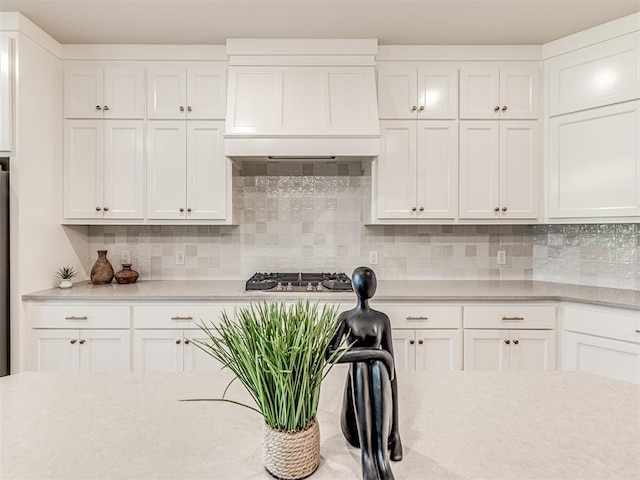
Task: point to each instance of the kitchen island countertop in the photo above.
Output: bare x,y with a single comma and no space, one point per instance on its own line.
388,290
460,425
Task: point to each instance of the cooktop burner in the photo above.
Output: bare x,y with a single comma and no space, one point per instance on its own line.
299,282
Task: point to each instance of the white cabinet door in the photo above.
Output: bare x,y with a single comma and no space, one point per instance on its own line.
158,350
166,92
437,169
123,169
519,92
105,350
532,350
500,91
207,171
404,350
255,99
166,170
83,168
437,91
83,92
195,359
123,92
56,351
6,93
479,92
486,350
479,169
438,350
519,183
206,92
602,356
594,163
397,91
396,177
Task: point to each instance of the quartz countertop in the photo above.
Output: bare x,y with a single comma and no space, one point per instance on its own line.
388,290
460,425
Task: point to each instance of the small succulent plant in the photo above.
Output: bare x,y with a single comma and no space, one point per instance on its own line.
66,273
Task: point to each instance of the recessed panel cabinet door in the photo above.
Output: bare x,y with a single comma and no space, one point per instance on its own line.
437,169
519,92
437,91
166,92
438,350
486,350
519,158
255,103
206,171
83,168
479,169
404,350
479,92
83,92
206,92
158,350
396,189
196,360
105,350
166,170
123,92
124,169
532,350
397,91
56,351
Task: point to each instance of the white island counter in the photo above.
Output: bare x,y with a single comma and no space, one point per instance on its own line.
462,425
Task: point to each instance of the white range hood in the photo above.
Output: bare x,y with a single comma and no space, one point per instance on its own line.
301,99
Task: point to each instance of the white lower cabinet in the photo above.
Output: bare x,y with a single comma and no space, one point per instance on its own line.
509,337
80,338
171,351
604,341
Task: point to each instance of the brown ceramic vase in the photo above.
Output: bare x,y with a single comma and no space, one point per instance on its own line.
102,271
126,275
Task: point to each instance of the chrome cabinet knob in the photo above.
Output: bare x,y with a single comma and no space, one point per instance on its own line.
422,209
507,342
98,209
516,342
421,108
186,342
181,109
82,341
188,209
504,109
496,108
413,209
98,107
73,341
504,209
106,209
178,342
411,342
181,209
106,108
188,108
420,341
414,108
497,209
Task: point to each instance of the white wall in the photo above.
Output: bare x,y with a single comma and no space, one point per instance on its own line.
39,244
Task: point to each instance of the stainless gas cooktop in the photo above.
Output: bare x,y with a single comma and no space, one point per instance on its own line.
299,282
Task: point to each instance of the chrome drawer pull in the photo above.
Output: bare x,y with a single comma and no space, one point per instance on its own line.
512,318
417,318
76,318
181,318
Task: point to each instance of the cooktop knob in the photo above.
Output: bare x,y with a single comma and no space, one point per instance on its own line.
320,287
279,287
290,287
309,287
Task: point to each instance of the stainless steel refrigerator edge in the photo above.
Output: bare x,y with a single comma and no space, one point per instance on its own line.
4,273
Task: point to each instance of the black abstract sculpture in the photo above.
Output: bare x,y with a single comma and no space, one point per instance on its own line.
369,416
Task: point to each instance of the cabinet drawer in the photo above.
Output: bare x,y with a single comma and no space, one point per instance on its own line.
416,315
79,316
179,315
510,316
605,322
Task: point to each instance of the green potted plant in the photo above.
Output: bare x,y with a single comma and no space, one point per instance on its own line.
279,354
65,274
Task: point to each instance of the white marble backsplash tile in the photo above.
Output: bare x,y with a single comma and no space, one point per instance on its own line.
308,217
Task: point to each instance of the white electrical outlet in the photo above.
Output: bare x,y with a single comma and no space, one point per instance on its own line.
179,257
125,256
502,257
373,257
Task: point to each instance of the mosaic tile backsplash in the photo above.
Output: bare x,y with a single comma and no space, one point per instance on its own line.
309,217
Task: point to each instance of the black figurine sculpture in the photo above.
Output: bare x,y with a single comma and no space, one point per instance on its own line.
369,417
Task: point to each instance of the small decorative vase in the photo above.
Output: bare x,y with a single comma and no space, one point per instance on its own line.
291,455
102,271
126,275
65,283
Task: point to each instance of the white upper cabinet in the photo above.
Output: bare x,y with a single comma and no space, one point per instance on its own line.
417,91
498,91
104,92
499,170
267,100
188,176
194,92
417,170
594,163
594,76
6,94
103,169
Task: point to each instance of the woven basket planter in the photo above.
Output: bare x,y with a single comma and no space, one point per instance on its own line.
291,455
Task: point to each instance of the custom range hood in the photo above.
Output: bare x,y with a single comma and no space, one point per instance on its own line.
301,99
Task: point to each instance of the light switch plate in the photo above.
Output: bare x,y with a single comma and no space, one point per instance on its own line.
125,256
502,257
179,257
373,257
